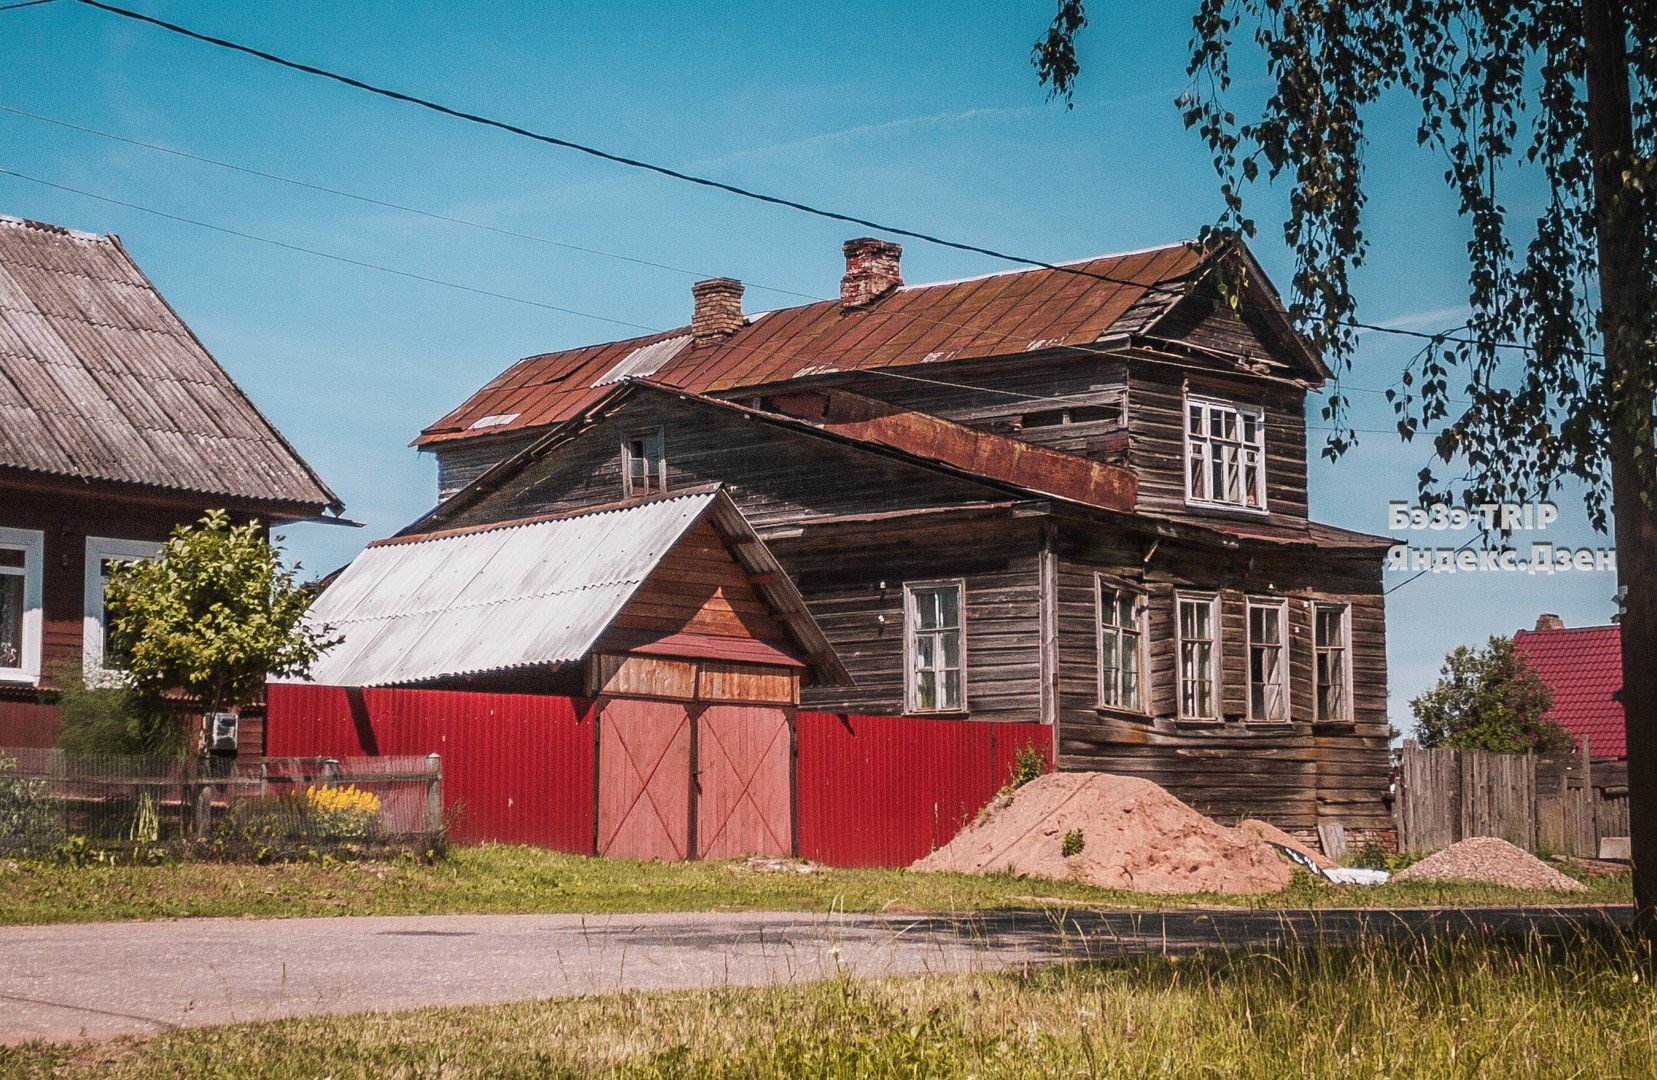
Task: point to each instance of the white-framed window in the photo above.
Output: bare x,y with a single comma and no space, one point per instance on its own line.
1332,647
934,647
644,463
22,564
1268,661
101,553
1225,454
1198,619
1121,646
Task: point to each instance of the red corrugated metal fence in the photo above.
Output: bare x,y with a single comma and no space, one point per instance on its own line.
883,790
516,768
870,790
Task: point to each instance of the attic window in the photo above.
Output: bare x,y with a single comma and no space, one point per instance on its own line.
644,463
1075,414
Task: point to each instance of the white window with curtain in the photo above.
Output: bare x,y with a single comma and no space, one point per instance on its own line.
1225,454
102,553
934,649
1332,646
1121,646
1268,661
1198,625
22,564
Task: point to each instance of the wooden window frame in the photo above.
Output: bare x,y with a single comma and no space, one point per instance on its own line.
32,544
98,549
1102,585
1281,608
1212,600
911,651
1202,445
1345,646
628,457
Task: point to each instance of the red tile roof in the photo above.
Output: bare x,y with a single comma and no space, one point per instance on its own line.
996,315
1583,668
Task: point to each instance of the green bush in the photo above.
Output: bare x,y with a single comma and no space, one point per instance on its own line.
27,809
1073,843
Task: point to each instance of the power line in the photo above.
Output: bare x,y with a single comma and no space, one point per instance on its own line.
26,3
325,254
676,174
373,201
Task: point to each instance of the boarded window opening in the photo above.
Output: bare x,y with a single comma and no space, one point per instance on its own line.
644,464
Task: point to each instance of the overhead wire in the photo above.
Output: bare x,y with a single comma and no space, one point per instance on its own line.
691,178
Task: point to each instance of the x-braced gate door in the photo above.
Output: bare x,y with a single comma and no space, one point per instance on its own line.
745,796
644,779
674,780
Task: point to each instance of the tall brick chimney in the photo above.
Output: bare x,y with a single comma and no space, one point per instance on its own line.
871,271
1549,621
718,312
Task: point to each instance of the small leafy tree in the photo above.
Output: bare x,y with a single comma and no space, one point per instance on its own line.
209,618
1489,699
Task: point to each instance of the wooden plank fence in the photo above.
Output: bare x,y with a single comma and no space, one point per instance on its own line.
1562,803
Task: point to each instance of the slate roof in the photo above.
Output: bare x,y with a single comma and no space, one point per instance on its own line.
994,315
101,380
1583,668
532,593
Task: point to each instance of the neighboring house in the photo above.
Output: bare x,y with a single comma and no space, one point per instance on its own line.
1075,496
1582,666
115,426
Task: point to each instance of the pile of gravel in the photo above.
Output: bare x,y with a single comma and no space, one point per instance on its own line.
1492,861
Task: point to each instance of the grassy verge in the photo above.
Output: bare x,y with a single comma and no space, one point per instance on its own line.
1428,1008
504,879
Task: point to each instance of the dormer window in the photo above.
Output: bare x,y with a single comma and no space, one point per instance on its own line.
1225,454
644,463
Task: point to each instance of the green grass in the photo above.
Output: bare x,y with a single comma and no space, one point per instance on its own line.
505,879
1426,1008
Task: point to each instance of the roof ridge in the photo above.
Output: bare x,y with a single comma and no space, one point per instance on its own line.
1050,266
61,230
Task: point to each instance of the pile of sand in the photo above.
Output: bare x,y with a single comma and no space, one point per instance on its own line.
1134,836
1492,861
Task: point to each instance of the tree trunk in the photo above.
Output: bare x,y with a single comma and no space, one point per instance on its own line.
1621,224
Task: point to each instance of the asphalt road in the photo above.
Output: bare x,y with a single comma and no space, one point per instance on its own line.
99,980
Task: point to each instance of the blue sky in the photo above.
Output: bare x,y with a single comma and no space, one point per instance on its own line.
924,115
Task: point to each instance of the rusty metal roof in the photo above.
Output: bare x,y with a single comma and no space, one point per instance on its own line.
995,315
101,380
524,594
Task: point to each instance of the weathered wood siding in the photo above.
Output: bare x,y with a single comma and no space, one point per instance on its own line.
463,460
777,477
1294,774
853,584
700,588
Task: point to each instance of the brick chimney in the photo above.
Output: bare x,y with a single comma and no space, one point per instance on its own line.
718,312
1549,621
871,271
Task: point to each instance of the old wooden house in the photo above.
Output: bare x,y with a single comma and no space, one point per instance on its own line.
1073,495
115,426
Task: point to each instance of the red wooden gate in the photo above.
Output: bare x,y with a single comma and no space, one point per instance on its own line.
644,779
744,780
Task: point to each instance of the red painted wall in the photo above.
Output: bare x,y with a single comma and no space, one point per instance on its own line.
883,791
870,790
517,768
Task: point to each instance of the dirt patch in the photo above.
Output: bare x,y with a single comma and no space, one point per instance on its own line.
1263,830
1492,861
1134,835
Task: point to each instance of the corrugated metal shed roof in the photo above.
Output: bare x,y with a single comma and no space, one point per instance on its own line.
522,594
1583,667
100,379
995,315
